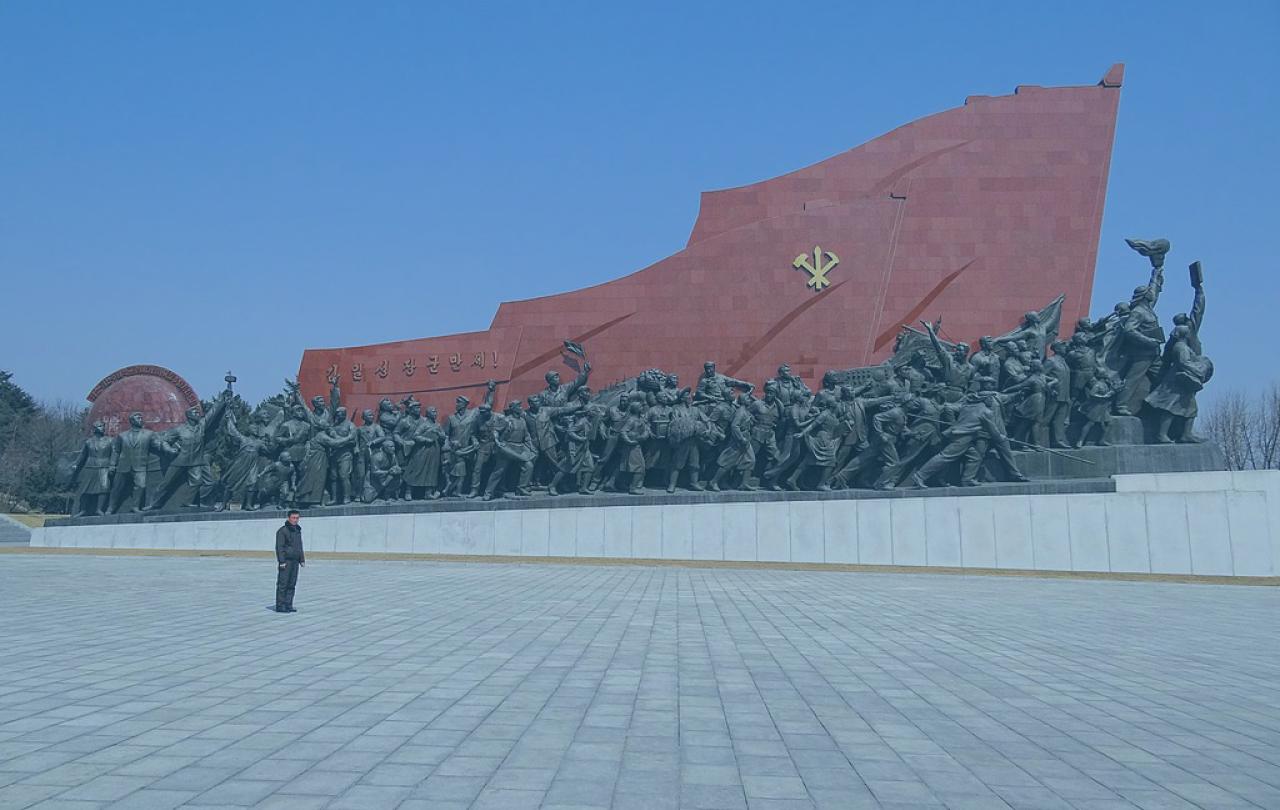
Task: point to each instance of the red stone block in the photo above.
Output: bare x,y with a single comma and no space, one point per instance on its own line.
1008,188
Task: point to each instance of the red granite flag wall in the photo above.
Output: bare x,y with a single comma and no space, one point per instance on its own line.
976,214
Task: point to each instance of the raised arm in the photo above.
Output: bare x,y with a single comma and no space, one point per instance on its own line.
234,432
1156,284
944,357
1197,308
580,380
215,414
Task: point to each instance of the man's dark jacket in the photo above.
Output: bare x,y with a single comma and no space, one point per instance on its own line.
289,544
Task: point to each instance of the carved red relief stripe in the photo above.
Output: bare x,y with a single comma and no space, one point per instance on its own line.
910,318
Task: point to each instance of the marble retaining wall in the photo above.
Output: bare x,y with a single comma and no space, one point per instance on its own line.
1211,523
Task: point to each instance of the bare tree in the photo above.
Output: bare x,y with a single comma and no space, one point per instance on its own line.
38,447
1247,428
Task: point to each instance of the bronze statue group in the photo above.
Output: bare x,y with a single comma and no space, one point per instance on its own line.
932,415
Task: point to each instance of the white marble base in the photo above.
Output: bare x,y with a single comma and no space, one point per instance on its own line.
1213,523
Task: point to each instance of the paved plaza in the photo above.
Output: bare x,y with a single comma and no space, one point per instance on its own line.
160,682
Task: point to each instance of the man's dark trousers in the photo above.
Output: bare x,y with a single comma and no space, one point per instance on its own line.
286,581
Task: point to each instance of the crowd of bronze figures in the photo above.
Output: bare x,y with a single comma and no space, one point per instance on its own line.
933,415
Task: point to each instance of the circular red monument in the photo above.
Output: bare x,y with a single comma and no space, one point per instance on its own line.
162,396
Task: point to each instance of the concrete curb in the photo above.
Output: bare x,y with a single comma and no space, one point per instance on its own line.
1195,579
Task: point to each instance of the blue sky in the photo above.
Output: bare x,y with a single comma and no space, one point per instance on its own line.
220,185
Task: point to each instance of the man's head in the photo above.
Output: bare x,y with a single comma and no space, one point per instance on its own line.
367,416
386,405
285,458
1084,325
1180,332
1121,308
388,445
553,379
294,517
340,414
135,419
1031,319
985,342
193,415
535,404
415,408
708,369
1182,319
513,407
298,412
584,395
961,351
1058,347
99,427
460,404
432,413
784,371
317,403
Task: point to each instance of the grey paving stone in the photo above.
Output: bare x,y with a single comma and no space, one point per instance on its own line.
499,799
450,788
370,797
150,799
317,782
603,686
66,804
294,802
773,787
25,795
108,788
238,792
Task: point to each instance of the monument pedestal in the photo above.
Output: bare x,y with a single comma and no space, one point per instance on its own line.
1204,523
1120,459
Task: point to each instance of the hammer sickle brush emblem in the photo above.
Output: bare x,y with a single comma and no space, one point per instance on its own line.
817,268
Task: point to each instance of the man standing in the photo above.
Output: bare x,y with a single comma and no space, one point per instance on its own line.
130,456
513,448
289,557
1058,408
191,466
712,385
